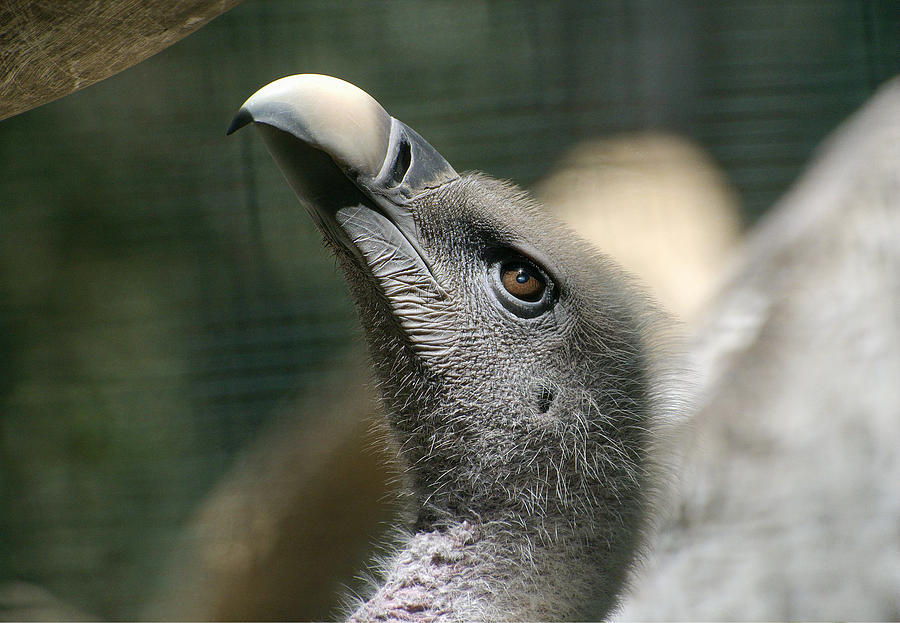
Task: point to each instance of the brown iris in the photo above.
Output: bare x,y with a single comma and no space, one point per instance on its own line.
523,281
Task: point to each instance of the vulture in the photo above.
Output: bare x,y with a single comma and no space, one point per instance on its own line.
520,371
525,378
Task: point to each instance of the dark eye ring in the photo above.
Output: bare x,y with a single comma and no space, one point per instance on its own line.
520,285
523,281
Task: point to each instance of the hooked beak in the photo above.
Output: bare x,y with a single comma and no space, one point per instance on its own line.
345,157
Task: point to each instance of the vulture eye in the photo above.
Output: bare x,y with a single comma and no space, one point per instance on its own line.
520,285
523,281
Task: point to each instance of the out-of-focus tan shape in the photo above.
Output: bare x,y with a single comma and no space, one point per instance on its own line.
656,203
21,601
292,524
50,48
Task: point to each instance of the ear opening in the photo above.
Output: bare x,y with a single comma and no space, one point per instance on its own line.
545,398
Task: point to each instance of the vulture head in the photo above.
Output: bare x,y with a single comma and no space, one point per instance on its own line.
516,365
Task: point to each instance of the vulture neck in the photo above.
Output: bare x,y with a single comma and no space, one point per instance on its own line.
492,571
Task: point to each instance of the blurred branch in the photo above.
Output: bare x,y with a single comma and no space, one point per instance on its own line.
49,49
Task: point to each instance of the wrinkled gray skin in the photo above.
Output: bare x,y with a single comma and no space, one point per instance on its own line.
527,439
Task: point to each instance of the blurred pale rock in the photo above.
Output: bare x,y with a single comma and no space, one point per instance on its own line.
790,502
657,204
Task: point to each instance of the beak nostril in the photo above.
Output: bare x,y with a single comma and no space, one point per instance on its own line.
401,163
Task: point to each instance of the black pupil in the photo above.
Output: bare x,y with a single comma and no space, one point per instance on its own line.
523,276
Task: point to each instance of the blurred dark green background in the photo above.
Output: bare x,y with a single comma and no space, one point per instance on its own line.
162,294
